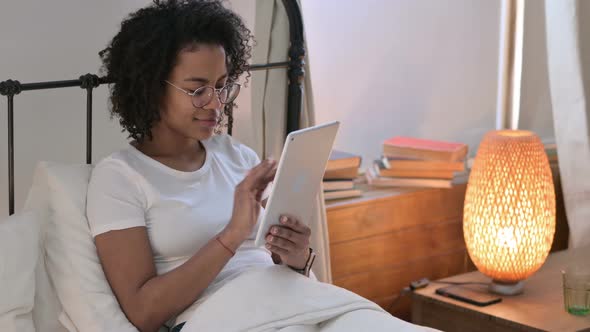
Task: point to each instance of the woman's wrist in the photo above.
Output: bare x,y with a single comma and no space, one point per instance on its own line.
231,237
305,270
302,261
276,258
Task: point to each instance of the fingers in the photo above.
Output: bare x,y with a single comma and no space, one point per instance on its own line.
290,240
286,245
267,178
291,236
277,250
262,170
294,224
260,175
291,246
301,241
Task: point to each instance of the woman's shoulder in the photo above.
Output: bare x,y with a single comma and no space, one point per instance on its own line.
120,162
231,147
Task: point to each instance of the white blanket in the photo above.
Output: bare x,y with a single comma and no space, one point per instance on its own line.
277,299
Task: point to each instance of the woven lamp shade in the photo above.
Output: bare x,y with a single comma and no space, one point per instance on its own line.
509,212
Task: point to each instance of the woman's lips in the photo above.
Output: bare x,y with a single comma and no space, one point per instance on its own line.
207,122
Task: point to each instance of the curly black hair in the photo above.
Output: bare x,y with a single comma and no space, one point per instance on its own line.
144,52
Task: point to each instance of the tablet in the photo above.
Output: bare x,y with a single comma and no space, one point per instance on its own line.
299,175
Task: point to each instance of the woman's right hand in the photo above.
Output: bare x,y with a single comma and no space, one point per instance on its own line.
247,201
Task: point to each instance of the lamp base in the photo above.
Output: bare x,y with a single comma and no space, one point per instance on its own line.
503,288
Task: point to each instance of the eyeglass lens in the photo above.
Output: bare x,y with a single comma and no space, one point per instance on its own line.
204,95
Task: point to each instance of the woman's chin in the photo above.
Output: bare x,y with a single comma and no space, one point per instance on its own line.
205,133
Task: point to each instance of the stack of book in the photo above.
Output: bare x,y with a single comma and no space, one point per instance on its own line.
414,162
341,171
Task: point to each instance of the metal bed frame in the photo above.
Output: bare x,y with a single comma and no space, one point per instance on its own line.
88,82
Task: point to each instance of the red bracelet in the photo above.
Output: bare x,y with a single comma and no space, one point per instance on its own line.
226,247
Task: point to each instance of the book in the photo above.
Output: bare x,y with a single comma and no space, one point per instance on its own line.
416,148
422,165
341,173
379,181
330,195
435,174
340,159
331,185
381,170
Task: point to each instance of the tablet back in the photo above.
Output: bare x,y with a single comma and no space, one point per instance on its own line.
299,175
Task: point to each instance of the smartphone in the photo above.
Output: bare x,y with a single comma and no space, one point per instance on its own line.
468,295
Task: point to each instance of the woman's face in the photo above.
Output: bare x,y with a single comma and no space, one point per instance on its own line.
196,66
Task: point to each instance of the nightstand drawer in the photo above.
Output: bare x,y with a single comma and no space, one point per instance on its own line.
388,280
389,237
395,248
382,215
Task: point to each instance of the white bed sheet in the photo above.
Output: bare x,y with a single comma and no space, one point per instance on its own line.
276,299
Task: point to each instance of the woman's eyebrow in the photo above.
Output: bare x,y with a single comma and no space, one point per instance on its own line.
204,80
197,79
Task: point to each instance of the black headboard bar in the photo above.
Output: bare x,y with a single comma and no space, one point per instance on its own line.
9,89
271,65
296,63
13,87
89,82
11,153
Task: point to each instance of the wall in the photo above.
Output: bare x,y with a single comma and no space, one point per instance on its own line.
406,67
422,68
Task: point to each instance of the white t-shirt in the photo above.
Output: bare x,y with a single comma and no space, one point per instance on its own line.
182,211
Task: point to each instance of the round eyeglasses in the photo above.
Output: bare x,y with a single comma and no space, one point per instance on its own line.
203,95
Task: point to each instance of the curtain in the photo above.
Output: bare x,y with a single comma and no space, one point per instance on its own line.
568,54
269,107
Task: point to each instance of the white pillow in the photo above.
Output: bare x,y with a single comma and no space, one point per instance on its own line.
71,260
19,248
47,309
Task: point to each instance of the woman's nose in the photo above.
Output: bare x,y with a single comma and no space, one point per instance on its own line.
215,103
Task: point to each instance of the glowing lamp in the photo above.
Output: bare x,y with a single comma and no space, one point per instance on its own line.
509,212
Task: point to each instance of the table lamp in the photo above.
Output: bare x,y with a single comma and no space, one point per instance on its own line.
509,212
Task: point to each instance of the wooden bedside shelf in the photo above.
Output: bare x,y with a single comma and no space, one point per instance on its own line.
382,241
539,308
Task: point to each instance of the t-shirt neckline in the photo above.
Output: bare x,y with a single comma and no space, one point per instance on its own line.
172,171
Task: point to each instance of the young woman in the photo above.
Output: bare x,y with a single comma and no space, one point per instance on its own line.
174,214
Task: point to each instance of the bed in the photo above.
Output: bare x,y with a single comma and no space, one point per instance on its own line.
51,278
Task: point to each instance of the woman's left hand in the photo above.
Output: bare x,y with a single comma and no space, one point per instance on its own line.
289,241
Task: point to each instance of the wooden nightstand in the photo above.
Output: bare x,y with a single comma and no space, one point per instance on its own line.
382,241
539,308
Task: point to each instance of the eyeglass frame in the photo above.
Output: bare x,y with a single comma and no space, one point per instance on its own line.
216,91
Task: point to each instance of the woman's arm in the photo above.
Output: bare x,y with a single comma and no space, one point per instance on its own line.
148,299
